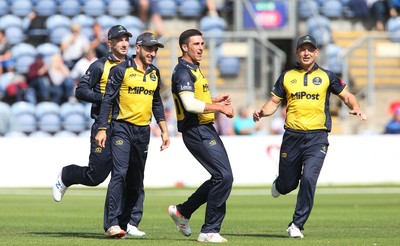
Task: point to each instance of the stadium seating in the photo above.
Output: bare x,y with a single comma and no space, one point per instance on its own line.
393,28
21,8
167,8
94,8
5,115
24,114
3,7
46,7
15,35
23,49
73,117
333,60
40,134
65,134
48,117
70,8
57,20
190,9
22,63
48,50
57,34
15,134
320,28
308,8
88,118
332,8
10,20
213,27
134,25
86,23
229,66
118,8
107,21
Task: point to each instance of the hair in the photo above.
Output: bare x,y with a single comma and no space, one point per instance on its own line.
184,37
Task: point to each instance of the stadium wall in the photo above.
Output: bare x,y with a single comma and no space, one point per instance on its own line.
28,162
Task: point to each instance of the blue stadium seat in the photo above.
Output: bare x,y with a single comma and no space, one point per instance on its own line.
134,25
3,7
46,7
94,8
190,9
48,116
57,20
10,20
57,34
107,21
306,9
24,114
65,134
40,134
22,63
5,113
85,21
88,118
23,49
333,59
393,29
229,66
213,27
21,7
167,8
15,134
48,50
320,28
118,8
332,8
15,35
73,117
70,8
85,134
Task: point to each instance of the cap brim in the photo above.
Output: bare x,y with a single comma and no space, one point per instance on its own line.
151,44
122,34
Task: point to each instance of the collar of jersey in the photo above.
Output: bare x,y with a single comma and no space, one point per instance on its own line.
188,64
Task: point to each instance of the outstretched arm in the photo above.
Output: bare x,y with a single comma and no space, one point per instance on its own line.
268,109
351,102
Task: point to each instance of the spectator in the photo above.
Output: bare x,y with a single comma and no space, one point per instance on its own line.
5,53
83,64
98,41
35,28
74,45
62,84
393,126
148,9
12,86
38,80
243,123
381,9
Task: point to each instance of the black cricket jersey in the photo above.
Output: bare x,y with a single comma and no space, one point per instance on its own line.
188,78
92,84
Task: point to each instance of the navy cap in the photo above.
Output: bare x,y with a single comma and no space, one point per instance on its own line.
307,39
117,31
148,39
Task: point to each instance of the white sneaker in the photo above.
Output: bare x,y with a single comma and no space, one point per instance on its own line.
181,222
211,238
115,232
59,188
134,231
294,231
274,192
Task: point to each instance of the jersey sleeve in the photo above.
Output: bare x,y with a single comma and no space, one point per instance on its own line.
158,106
183,81
278,90
336,84
84,91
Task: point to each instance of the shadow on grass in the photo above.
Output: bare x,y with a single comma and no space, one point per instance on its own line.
92,235
256,235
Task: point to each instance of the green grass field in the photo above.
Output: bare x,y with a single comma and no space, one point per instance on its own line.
368,215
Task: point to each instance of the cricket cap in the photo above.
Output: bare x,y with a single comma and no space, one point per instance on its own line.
117,31
148,39
307,39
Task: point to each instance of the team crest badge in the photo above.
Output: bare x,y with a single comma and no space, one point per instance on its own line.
317,81
153,77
